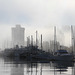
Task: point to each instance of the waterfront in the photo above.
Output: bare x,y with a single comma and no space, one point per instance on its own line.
8,67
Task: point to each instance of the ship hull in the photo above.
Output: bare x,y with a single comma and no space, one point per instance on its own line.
64,58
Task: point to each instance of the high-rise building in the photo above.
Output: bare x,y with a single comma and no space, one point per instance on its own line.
18,35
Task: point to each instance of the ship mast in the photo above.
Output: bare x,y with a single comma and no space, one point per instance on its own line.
72,39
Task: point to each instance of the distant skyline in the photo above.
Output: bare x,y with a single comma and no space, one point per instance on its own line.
39,15
63,34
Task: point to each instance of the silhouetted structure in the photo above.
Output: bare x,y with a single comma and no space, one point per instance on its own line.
18,35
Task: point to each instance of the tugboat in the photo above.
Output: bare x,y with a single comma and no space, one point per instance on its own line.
63,55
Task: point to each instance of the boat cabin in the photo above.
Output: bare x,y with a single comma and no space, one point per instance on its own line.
60,52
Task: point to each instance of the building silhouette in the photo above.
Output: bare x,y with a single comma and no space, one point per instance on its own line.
18,35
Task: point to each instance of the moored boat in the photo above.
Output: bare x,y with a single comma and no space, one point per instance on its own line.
63,55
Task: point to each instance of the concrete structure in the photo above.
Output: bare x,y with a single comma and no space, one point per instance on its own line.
18,35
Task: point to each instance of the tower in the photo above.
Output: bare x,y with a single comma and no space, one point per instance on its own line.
18,35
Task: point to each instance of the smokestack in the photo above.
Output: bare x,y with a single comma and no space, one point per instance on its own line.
54,38
31,40
41,41
36,38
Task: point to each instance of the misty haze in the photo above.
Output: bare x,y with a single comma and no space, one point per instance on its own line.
62,32
37,37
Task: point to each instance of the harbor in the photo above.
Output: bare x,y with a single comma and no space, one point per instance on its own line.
37,59
37,37
32,52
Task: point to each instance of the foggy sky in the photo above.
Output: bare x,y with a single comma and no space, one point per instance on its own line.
39,15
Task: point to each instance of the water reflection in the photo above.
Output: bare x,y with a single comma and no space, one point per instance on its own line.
37,68
62,66
17,69
73,70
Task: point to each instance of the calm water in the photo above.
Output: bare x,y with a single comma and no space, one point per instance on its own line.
26,68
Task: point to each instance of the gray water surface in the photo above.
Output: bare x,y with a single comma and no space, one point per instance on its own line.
34,68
